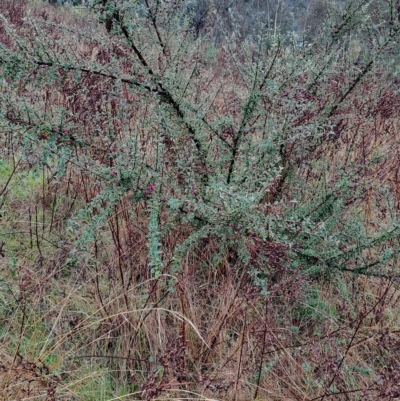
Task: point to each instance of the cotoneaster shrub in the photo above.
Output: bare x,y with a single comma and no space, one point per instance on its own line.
254,169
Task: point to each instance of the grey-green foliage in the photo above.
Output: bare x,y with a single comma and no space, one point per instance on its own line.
232,160
70,2
301,18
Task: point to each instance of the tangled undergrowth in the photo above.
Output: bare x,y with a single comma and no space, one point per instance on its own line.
181,220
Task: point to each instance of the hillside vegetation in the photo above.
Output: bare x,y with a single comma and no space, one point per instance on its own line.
199,214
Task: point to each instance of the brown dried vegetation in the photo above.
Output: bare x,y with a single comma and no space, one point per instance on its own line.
207,331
